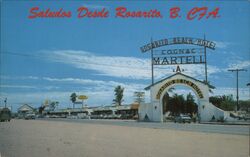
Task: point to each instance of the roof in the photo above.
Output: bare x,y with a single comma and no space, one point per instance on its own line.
148,87
25,107
135,106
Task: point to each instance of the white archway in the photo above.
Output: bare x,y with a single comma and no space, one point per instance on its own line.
153,110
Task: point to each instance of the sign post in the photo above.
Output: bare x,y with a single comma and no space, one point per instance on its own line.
82,97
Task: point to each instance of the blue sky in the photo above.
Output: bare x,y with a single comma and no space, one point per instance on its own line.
49,58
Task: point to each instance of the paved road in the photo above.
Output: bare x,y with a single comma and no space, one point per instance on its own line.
207,128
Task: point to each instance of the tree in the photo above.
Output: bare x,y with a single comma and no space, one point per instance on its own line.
139,97
191,106
176,104
73,99
41,109
244,105
118,95
216,100
53,105
166,101
224,102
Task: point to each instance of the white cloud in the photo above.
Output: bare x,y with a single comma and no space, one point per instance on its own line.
124,67
18,77
220,44
81,81
121,67
18,86
28,87
239,65
99,92
92,86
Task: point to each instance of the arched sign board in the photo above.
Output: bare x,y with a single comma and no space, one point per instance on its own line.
178,56
179,81
178,40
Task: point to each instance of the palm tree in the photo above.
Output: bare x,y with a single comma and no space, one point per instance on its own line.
73,99
118,95
139,97
53,105
177,102
190,106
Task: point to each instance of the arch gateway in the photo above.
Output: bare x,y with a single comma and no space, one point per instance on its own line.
193,51
153,111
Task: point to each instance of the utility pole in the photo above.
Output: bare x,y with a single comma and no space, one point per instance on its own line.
205,57
152,63
249,88
237,84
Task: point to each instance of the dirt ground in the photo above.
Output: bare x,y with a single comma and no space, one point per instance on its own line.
34,138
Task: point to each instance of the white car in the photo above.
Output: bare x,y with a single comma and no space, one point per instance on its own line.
182,119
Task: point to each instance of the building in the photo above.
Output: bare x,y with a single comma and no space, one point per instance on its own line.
101,112
25,109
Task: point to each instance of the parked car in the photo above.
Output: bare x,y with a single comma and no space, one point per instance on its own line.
30,116
53,116
72,117
117,116
40,116
83,116
182,119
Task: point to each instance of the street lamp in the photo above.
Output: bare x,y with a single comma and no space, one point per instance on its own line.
5,102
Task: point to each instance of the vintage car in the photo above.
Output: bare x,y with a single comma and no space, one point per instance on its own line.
182,119
30,116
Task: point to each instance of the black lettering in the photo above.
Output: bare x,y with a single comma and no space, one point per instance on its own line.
156,60
173,60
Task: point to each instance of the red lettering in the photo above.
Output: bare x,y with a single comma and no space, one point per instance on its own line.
85,12
120,11
174,12
214,13
56,14
124,13
82,11
193,13
32,11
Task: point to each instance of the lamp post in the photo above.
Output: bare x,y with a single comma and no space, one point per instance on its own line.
5,102
237,84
